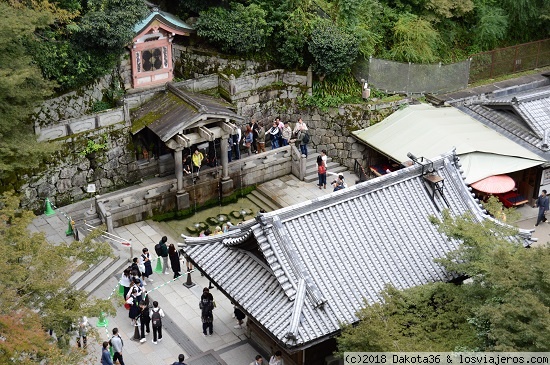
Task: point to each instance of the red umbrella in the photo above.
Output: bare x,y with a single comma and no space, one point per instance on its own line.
497,184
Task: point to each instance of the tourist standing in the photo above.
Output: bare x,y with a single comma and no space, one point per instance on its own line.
83,332
106,355
274,133
174,260
163,249
261,138
281,125
156,320
133,300
117,344
258,360
322,171
125,281
286,134
144,319
277,358
240,316
542,204
248,139
197,161
181,357
230,149
146,262
206,305
236,143
254,126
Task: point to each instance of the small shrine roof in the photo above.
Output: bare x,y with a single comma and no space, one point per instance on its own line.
177,110
165,18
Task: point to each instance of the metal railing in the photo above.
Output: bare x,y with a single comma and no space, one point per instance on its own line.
503,61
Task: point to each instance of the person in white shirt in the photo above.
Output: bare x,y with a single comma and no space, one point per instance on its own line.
236,141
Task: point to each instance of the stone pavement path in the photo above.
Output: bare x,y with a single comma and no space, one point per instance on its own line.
182,326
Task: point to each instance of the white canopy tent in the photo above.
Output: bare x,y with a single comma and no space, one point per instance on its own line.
428,131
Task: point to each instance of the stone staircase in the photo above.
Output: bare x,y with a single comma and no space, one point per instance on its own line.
262,200
311,168
92,278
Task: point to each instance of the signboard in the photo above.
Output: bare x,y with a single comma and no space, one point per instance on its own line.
91,188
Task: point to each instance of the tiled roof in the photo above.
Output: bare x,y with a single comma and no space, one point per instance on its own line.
166,18
302,270
177,110
523,117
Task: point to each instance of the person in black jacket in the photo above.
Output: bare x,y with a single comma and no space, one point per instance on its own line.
145,319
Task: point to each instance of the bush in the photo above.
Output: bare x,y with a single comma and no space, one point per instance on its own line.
239,30
333,48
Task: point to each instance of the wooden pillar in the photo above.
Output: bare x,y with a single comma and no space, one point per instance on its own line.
178,160
225,159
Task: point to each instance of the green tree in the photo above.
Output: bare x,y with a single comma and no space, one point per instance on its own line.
34,288
238,30
415,40
22,88
334,49
431,317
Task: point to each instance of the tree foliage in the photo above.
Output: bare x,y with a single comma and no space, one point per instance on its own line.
333,49
21,89
415,40
34,289
238,30
504,307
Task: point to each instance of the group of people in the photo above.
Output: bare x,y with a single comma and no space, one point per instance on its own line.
338,184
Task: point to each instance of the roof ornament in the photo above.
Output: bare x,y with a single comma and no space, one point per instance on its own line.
436,182
297,310
545,140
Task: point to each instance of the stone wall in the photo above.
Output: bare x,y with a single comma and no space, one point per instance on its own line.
190,63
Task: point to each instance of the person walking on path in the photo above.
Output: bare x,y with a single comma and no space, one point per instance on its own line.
156,320
258,360
181,357
105,354
197,161
542,204
146,264
144,319
83,332
164,254
206,305
117,344
174,260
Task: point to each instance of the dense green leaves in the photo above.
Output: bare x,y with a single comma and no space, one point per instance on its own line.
415,40
239,30
34,287
334,49
505,307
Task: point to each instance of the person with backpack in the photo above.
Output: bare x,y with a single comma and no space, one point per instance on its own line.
162,251
156,321
146,265
117,345
206,306
144,319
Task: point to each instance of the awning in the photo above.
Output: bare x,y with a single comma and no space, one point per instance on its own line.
428,131
497,184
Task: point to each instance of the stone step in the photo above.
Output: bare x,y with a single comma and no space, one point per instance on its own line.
330,177
257,202
116,268
104,267
312,169
264,201
78,275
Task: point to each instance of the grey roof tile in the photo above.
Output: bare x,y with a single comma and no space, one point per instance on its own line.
345,247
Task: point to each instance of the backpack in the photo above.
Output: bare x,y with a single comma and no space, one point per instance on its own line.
156,319
305,140
158,251
206,310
